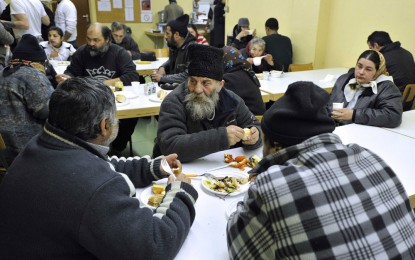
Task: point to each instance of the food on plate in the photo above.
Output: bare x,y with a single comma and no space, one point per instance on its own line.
228,158
161,94
259,75
177,171
247,133
158,189
112,88
225,184
253,160
120,98
155,200
119,85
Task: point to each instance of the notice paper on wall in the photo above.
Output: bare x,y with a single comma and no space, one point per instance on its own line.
117,4
104,6
129,14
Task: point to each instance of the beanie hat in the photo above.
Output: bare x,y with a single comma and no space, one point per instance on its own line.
28,48
205,61
243,22
180,24
298,115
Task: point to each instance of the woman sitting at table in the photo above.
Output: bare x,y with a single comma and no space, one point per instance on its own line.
240,78
368,95
200,39
256,49
55,48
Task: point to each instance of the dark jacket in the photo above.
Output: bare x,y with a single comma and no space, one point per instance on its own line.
176,65
178,133
383,109
247,88
115,63
279,46
264,66
217,36
62,199
129,44
400,64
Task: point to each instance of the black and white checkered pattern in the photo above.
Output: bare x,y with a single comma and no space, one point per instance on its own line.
323,200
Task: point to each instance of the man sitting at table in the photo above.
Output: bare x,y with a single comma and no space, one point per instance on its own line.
101,59
120,37
200,117
316,198
174,70
64,198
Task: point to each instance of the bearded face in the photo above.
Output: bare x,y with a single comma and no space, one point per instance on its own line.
200,105
95,50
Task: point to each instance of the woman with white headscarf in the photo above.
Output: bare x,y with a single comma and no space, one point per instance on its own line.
367,95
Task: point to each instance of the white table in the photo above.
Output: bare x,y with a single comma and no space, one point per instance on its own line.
278,86
407,127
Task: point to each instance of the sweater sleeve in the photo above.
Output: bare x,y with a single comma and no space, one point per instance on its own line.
115,227
127,67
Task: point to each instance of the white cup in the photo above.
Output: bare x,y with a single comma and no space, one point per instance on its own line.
137,88
250,32
257,61
266,74
337,105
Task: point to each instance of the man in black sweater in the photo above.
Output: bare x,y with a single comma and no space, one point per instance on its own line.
63,198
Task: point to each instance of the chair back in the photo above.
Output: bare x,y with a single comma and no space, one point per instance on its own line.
300,67
164,52
408,97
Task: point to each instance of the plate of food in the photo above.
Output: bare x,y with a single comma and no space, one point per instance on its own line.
226,183
121,100
127,94
152,196
159,96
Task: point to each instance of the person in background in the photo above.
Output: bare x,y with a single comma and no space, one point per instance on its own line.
399,61
241,34
45,28
24,96
316,198
66,19
172,11
110,63
84,202
5,40
55,48
279,46
174,70
368,94
256,48
199,116
240,78
200,39
217,35
27,16
122,38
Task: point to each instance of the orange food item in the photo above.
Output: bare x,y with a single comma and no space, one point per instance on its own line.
240,158
228,158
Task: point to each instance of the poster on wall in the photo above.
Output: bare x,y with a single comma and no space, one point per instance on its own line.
146,13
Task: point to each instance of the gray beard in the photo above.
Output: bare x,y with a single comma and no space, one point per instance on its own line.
201,106
101,51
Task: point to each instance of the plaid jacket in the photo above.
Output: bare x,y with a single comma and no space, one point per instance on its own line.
321,199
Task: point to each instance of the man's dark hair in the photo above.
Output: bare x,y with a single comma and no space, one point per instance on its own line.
272,23
380,37
116,26
57,29
78,105
106,32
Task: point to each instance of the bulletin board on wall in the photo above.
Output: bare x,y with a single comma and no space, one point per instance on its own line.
124,11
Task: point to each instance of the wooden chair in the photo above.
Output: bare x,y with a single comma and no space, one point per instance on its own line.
408,97
300,67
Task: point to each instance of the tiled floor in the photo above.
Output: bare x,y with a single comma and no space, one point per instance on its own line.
143,137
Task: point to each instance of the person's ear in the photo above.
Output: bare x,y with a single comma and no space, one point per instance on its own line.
221,84
105,126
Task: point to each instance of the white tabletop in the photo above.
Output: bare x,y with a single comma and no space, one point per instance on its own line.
407,126
396,149
324,78
152,66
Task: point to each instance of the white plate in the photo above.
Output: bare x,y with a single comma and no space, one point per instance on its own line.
243,187
127,94
231,207
154,98
122,104
145,195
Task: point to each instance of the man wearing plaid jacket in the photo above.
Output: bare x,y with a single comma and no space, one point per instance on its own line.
316,198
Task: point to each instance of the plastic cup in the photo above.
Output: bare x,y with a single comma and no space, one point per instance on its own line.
337,105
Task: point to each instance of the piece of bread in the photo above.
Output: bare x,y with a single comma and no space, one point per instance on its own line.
158,189
161,94
120,98
247,133
155,200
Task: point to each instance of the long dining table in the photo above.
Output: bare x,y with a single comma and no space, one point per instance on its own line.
207,236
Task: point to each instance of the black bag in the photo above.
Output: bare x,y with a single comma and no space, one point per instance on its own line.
148,56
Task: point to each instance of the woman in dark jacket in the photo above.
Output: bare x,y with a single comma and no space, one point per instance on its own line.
240,78
367,94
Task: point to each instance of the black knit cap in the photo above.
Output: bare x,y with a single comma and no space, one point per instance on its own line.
180,24
298,115
28,48
205,61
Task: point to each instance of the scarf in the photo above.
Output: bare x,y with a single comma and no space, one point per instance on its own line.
233,60
17,63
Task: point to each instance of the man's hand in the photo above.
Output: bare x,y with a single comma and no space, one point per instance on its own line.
173,162
235,134
61,77
155,77
180,177
253,137
342,114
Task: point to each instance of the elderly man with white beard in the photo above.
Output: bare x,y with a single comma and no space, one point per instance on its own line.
200,117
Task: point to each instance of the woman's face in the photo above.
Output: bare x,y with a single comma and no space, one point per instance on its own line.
364,71
256,50
191,31
55,39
